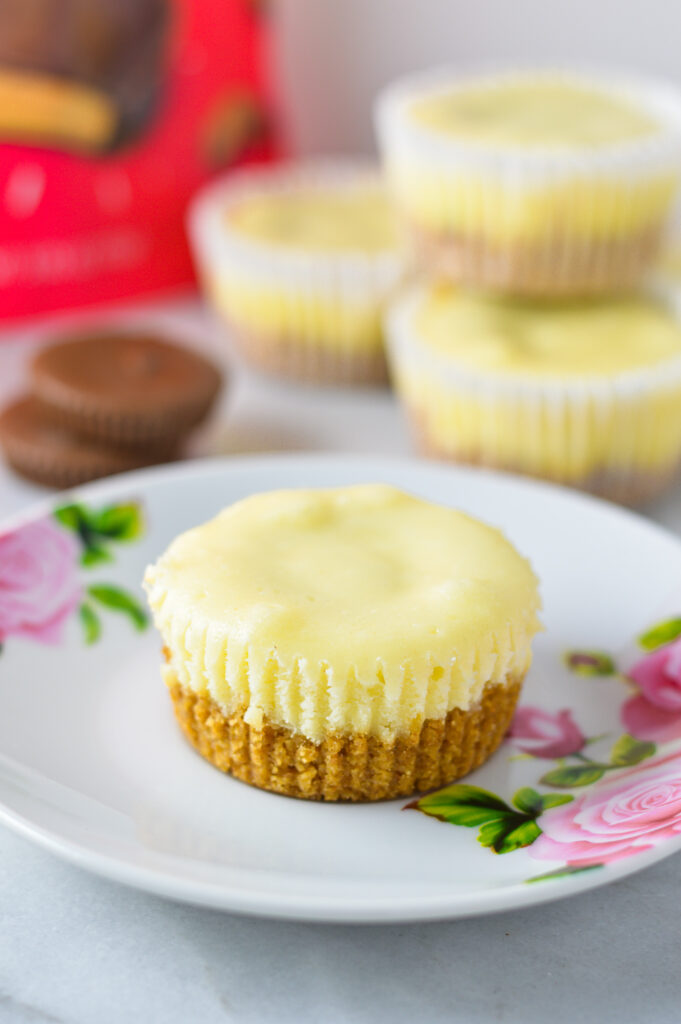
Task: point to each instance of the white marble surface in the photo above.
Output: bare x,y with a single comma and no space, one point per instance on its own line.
78,949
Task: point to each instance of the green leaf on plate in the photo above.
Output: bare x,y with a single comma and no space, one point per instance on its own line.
574,775
564,872
590,663
555,800
529,801
73,517
118,600
502,829
117,522
511,832
662,633
95,554
461,804
533,803
469,817
92,627
629,750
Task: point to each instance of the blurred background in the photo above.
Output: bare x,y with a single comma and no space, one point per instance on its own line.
334,55
116,114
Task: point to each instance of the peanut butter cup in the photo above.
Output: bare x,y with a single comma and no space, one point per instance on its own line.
42,450
122,388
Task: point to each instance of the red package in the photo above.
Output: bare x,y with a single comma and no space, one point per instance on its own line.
112,113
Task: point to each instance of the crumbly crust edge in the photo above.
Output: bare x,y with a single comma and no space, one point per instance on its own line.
348,767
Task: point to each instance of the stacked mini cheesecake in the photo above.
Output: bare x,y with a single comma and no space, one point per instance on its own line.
530,206
535,204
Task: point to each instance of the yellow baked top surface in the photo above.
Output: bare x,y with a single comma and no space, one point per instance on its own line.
353,608
535,113
554,340
352,219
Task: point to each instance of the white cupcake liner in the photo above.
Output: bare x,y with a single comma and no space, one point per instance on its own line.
578,249
631,160
351,277
553,420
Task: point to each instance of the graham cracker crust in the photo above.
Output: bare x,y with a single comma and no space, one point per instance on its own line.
356,767
558,267
310,363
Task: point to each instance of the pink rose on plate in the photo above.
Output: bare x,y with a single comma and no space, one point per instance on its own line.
632,811
39,585
543,734
655,712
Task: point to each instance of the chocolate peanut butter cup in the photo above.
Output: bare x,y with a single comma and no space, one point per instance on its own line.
42,450
127,389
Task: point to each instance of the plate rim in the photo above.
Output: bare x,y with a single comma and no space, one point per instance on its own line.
330,910
338,909
197,466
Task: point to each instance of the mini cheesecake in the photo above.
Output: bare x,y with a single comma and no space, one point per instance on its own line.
581,392
299,261
533,182
347,644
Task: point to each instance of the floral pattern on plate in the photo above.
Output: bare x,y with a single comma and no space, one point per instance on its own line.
44,568
591,810
629,799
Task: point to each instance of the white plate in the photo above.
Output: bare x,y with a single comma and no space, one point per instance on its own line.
93,767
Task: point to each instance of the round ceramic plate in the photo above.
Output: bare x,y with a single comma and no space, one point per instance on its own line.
586,789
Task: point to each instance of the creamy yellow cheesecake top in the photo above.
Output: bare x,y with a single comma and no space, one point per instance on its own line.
358,609
354,219
558,340
533,112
